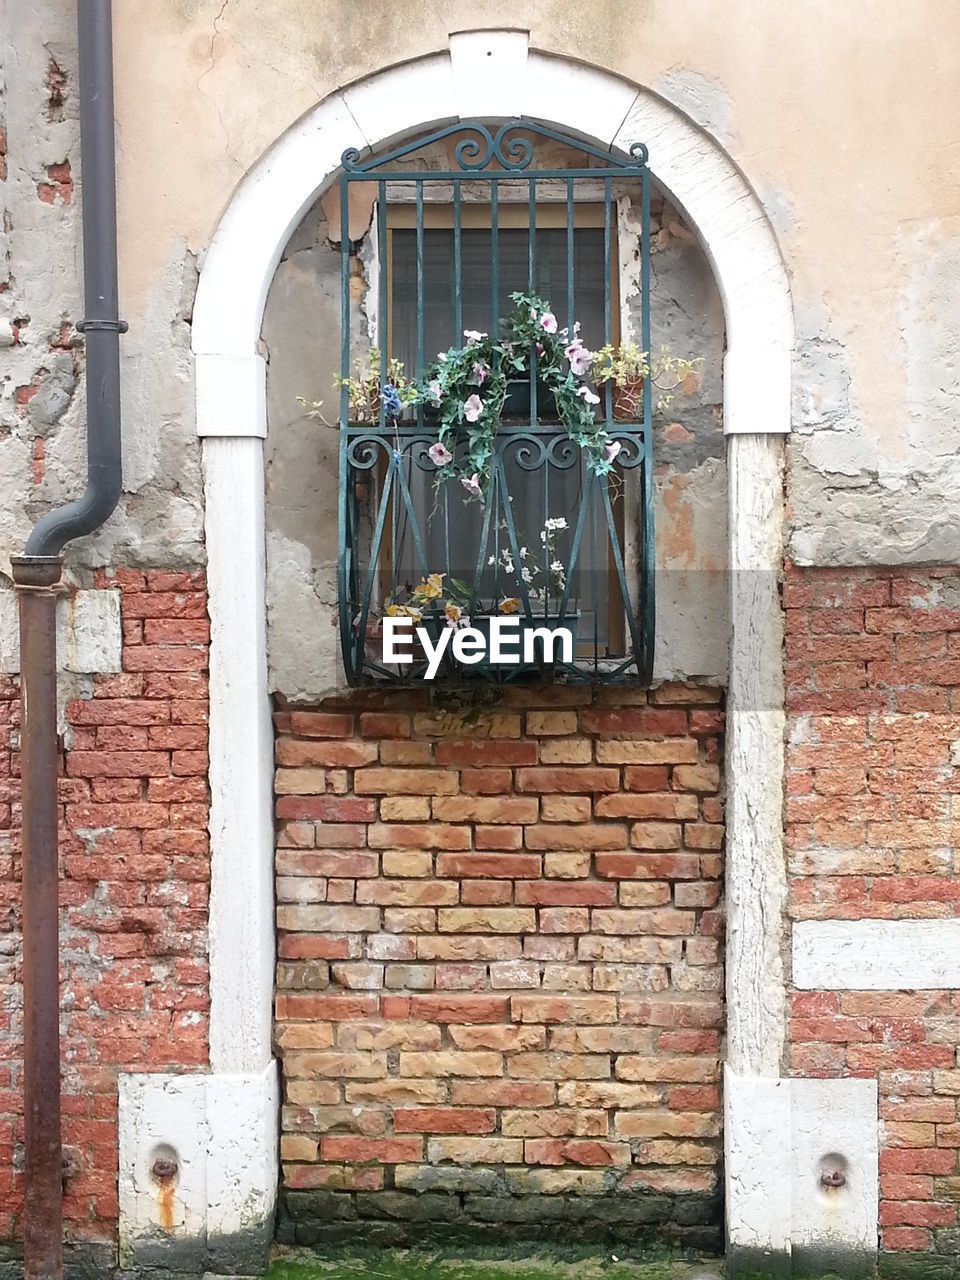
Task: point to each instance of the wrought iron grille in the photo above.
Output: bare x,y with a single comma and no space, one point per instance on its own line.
543,507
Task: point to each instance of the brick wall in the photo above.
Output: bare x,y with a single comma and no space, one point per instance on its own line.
134,879
499,986
873,775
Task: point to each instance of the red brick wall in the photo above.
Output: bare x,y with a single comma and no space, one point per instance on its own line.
500,967
873,775
135,873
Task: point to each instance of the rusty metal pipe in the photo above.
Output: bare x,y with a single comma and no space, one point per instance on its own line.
37,579
37,575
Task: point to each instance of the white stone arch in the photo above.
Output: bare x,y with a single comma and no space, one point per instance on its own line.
487,75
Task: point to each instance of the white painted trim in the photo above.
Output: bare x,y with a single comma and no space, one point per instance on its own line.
876,955
756,1125
233,392
756,399
489,73
221,1131
236,276
241,760
780,1135
756,879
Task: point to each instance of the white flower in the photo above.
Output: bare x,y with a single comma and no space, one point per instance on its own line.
555,522
472,485
434,390
492,561
586,394
439,454
472,408
611,450
526,575
580,358
523,553
473,335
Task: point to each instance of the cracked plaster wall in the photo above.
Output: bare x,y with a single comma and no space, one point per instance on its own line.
836,113
42,403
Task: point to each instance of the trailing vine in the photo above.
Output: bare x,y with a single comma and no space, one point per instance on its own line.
467,386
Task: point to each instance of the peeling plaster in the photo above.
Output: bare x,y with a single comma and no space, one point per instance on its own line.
204,87
704,100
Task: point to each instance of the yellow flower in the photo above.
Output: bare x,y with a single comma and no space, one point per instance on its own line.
402,611
454,613
510,605
429,588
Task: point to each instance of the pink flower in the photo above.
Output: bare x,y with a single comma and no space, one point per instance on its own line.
539,348
585,393
439,454
472,408
472,485
611,450
548,322
580,358
434,389
480,372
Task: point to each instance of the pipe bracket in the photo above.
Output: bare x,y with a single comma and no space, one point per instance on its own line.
109,326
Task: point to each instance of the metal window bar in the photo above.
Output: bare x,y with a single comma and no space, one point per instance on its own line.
379,518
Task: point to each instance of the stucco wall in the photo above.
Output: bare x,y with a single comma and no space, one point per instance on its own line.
835,113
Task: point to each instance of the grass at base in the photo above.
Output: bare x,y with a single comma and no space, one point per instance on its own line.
568,1264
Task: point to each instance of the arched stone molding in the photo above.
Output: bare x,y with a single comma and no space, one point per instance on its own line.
485,74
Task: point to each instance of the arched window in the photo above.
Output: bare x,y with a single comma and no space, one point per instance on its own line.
524,488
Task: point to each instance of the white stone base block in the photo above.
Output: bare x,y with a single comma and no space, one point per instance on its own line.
787,1141
221,1133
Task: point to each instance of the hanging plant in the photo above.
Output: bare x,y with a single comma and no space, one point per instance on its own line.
629,370
468,386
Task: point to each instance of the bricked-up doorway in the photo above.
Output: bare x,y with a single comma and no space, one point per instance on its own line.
485,74
500,977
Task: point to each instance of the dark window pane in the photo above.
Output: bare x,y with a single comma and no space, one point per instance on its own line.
450,529
438,283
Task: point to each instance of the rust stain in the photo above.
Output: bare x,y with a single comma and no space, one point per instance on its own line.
677,542
165,1205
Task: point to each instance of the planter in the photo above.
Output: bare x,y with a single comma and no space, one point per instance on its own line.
517,401
627,398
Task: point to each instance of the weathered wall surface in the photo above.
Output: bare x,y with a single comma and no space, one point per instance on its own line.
134,884
873,773
499,986
42,408
848,166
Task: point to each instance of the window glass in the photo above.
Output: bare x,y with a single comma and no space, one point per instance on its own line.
453,544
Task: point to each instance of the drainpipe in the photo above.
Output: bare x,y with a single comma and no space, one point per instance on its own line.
36,575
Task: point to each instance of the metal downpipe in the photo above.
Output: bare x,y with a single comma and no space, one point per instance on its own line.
36,575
